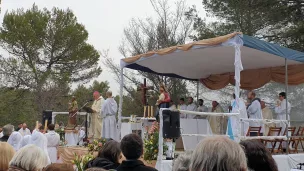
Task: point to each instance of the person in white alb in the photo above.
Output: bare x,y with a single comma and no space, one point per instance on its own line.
182,106
191,107
24,130
254,111
95,129
280,110
15,140
53,140
40,140
201,108
109,110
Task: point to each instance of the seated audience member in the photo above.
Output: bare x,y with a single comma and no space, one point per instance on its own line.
59,167
95,169
7,131
30,158
6,154
182,162
15,140
258,157
53,140
132,148
108,157
218,153
25,140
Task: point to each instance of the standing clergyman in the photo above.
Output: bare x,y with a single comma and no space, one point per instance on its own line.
96,120
109,110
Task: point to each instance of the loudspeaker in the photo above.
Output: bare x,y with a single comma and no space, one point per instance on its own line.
47,115
171,124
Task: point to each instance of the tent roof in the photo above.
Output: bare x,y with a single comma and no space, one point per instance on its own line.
207,57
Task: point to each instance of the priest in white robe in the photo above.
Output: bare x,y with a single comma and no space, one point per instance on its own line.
280,110
25,141
95,129
24,130
15,140
81,135
109,110
235,124
191,107
182,106
40,141
254,111
53,140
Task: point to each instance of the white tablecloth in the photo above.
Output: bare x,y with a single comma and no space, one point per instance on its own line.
71,138
288,162
194,126
128,128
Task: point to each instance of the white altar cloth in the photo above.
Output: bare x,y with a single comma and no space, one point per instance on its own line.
128,128
71,138
284,162
194,126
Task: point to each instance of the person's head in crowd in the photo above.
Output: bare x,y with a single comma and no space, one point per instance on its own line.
15,140
251,95
20,125
214,104
95,169
190,100
263,104
258,157
200,102
30,158
59,167
108,157
218,153
51,127
96,95
24,126
282,96
111,151
6,154
132,146
109,94
181,101
182,162
25,140
41,129
8,129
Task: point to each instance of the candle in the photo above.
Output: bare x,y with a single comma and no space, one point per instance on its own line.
149,111
45,125
145,107
152,111
37,123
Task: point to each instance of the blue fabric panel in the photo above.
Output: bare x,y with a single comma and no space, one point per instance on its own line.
273,49
145,69
229,129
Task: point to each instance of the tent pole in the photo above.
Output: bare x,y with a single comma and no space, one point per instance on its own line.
197,91
120,104
286,91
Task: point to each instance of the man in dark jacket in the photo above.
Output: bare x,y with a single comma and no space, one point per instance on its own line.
7,131
132,148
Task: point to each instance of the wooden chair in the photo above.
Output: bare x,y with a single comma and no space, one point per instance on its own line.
297,140
273,131
254,129
291,132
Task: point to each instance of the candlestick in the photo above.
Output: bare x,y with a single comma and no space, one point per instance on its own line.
45,125
152,111
149,111
37,123
145,107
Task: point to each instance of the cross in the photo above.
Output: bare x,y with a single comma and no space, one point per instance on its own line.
143,88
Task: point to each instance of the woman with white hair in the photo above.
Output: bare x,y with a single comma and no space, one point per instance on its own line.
182,162
40,141
30,158
15,140
218,153
25,141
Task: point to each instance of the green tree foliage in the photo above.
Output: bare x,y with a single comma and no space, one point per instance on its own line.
45,47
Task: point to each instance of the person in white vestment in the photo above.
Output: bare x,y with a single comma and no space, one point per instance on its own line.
53,140
15,140
172,105
25,140
191,107
201,108
24,130
109,110
95,129
239,108
254,111
280,110
40,140
81,135
267,114
182,106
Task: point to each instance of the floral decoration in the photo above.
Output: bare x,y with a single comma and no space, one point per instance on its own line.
81,161
96,145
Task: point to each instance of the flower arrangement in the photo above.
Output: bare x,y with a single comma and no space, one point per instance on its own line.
151,144
96,145
81,161
61,133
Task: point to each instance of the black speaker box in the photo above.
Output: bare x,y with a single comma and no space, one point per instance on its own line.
47,115
171,124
